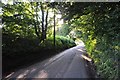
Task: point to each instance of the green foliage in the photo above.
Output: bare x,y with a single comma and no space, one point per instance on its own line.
18,19
97,24
24,19
18,51
63,30
100,33
14,45
61,43
106,59
66,42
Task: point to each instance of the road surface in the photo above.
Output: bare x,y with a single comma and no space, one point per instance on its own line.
67,64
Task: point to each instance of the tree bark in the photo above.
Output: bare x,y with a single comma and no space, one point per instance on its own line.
44,26
38,27
35,23
43,30
46,20
36,30
54,28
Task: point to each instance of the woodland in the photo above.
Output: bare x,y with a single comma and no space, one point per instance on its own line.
33,31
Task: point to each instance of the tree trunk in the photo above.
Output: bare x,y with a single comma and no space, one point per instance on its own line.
46,20
37,17
35,23
36,30
44,26
43,30
54,28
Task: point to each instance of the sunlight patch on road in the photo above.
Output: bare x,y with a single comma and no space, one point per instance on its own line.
9,75
54,58
86,58
81,50
23,74
32,70
83,55
79,42
42,74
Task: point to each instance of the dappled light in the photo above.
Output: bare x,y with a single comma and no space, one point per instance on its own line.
42,74
86,58
9,75
81,50
57,66
84,54
55,34
23,74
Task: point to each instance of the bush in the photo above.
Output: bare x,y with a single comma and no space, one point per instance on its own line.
60,43
13,45
106,55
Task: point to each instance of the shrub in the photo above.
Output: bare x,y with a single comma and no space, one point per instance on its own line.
60,43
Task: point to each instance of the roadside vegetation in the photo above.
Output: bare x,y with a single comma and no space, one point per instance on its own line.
33,31
27,39
97,25
25,51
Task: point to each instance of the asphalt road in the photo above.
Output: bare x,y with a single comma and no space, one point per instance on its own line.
67,64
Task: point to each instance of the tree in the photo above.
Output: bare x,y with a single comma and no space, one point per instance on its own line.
17,19
28,16
99,23
54,28
44,20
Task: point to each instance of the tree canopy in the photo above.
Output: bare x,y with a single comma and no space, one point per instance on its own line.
96,24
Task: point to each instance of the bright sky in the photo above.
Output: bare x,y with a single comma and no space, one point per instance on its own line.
7,1
0,11
0,18
0,26
51,14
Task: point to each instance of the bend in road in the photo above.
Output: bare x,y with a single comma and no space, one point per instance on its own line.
67,64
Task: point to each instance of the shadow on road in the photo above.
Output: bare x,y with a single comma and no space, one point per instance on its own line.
71,63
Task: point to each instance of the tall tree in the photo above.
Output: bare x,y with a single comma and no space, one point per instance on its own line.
54,27
44,11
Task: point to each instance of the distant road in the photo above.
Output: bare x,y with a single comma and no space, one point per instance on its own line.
67,64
